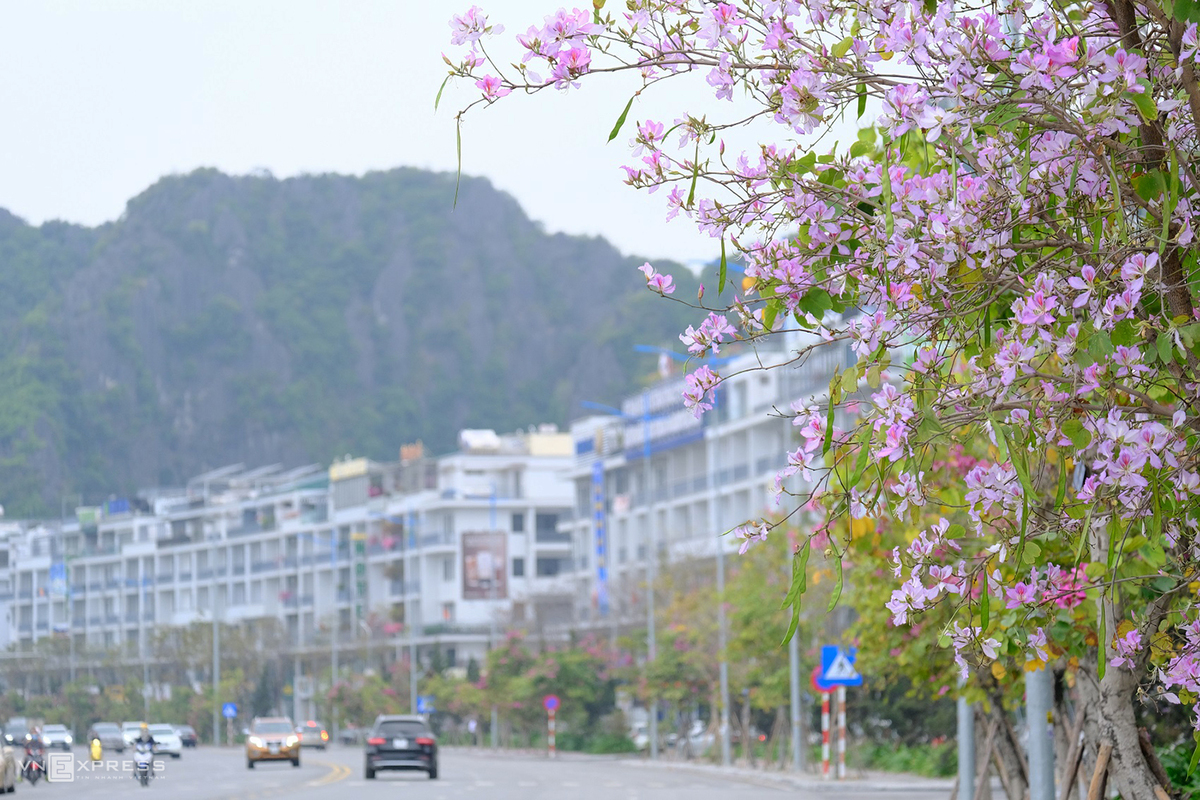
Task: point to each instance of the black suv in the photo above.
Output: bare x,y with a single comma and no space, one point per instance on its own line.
401,742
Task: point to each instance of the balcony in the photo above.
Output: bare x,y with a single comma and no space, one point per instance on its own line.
552,537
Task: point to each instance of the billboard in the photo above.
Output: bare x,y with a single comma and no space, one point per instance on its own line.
598,523
485,565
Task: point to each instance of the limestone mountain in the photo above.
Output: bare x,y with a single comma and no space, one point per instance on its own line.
225,319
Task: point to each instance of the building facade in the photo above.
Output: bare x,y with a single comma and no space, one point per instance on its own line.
325,558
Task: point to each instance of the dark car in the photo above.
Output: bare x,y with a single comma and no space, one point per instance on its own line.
16,731
401,742
110,736
187,735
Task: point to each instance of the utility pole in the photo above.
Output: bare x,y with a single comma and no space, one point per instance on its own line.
410,615
714,518
797,728
1039,706
651,576
966,746
336,628
216,666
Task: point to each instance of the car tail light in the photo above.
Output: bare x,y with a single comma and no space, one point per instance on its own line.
324,735
424,740
376,740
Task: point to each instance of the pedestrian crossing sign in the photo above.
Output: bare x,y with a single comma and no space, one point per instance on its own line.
837,666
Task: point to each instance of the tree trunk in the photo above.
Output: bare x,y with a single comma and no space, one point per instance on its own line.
1110,721
1011,761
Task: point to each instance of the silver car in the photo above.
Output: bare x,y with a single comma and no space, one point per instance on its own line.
57,736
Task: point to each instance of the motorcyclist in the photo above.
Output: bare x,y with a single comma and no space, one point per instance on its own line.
144,744
35,749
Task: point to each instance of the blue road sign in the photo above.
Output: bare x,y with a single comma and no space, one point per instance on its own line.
550,702
837,666
229,710
425,704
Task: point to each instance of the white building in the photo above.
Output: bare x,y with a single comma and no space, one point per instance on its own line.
459,544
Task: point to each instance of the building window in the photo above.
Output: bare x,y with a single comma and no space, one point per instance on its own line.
549,567
448,570
518,523
518,568
447,612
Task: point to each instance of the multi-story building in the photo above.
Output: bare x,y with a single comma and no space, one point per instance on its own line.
326,559
657,473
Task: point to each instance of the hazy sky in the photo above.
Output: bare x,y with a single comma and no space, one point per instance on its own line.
100,98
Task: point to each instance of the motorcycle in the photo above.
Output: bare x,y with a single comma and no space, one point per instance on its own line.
34,768
143,763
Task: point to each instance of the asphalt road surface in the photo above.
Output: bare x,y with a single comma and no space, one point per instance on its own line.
209,774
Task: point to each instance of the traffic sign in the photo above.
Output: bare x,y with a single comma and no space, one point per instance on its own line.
550,703
425,704
837,666
818,684
229,710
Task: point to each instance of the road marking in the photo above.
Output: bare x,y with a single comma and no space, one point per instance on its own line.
569,783
526,783
337,772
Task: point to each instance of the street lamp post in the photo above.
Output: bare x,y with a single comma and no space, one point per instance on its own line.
714,521
651,548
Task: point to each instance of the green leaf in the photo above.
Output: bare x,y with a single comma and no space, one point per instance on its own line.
1001,442
1165,345
438,99
1080,437
798,587
458,148
837,589
1144,102
1100,345
862,99
816,301
722,271
828,428
850,380
985,605
1095,570
770,312
841,48
1124,333
695,176
621,120
1101,635
860,466
1195,758
987,326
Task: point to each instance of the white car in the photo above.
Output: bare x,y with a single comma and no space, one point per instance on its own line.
131,731
166,740
57,736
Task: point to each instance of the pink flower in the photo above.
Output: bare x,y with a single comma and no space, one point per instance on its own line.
1126,646
492,87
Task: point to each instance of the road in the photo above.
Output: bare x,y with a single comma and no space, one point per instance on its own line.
208,774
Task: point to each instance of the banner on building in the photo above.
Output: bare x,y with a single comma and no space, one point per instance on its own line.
485,565
601,530
58,579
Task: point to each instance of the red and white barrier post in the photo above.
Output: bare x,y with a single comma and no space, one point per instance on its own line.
825,735
550,703
841,732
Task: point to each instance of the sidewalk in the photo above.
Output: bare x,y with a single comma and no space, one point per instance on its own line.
858,782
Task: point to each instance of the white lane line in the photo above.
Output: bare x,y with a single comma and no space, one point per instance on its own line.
526,783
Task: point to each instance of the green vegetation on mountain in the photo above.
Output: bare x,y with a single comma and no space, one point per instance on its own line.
225,319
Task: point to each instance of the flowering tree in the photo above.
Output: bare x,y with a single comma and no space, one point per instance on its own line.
1008,245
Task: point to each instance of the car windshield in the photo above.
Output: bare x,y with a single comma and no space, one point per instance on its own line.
402,728
272,727
186,729
162,730
55,728
312,726
106,727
